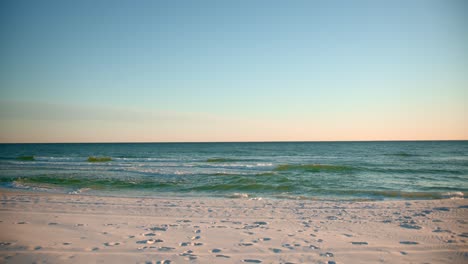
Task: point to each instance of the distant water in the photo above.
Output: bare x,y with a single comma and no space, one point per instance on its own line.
287,170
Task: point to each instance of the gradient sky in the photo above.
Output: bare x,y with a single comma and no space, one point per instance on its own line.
107,71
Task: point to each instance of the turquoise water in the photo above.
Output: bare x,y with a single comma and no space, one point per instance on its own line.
285,170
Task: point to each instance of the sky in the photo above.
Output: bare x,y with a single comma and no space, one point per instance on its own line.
183,71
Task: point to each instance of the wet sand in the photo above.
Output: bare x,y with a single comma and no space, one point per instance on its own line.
60,228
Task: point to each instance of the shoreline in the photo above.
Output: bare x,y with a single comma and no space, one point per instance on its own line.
391,195
64,228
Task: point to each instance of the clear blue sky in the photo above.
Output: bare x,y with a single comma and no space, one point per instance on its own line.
76,71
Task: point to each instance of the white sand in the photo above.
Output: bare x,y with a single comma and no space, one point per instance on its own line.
56,228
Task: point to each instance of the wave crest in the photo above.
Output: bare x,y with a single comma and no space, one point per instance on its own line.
314,167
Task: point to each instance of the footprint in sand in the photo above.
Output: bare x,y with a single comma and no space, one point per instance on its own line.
150,241
327,254
110,244
165,248
359,243
440,230
276,250
408,243
162,262
252,261
156,228
446,209
189,255
288,246
409,226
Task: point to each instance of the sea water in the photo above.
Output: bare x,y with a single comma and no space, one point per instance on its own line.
284,170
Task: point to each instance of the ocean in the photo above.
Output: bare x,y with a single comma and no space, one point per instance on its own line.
278,170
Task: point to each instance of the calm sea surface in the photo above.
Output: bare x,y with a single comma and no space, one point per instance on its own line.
288,170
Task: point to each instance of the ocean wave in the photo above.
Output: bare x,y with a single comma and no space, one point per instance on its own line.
226,160
256,187
415,171
403,154
314,168
91,183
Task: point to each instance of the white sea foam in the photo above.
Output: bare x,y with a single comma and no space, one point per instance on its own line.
453,195
81,190
238,195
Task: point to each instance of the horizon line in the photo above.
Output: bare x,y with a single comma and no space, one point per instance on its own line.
267,141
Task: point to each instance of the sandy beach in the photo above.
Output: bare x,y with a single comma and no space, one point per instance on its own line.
60,228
